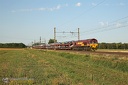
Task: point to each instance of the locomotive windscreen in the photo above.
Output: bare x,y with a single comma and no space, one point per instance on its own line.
93,41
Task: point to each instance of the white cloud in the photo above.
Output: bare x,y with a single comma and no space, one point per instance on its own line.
26,10
118,24
94,4
41,9
13,11
58,7
103,23
66,5
121,4
78,4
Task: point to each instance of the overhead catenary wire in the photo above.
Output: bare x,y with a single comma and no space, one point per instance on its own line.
81,14
112,26
106,28
107,25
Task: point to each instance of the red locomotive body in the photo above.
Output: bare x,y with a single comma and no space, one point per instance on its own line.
88,44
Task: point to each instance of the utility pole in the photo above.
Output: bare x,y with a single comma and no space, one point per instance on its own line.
78,33
54,34
40,39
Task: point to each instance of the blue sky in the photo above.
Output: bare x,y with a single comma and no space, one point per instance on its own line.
26,20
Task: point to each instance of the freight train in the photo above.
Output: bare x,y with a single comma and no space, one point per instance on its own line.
87,45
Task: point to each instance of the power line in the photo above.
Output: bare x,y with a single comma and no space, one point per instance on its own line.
104,28
107,25
82,13
108,29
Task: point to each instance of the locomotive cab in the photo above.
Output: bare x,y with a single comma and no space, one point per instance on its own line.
93,44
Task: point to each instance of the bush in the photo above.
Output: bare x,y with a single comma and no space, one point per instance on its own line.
12,45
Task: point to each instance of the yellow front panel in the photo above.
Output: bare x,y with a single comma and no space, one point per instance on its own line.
93,45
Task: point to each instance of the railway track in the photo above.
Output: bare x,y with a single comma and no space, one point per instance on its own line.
119,54
113,53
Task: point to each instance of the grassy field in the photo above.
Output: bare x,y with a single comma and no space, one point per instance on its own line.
41,67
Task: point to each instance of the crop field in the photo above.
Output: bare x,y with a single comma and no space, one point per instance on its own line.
45,67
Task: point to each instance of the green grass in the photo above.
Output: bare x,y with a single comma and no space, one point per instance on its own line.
40,67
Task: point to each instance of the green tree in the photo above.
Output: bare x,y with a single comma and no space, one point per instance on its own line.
51,41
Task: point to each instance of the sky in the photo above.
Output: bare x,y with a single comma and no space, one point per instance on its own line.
27,20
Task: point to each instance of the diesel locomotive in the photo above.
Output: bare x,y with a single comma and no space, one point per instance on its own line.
87,45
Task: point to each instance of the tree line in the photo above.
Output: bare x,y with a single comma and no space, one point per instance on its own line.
12,45
113,45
